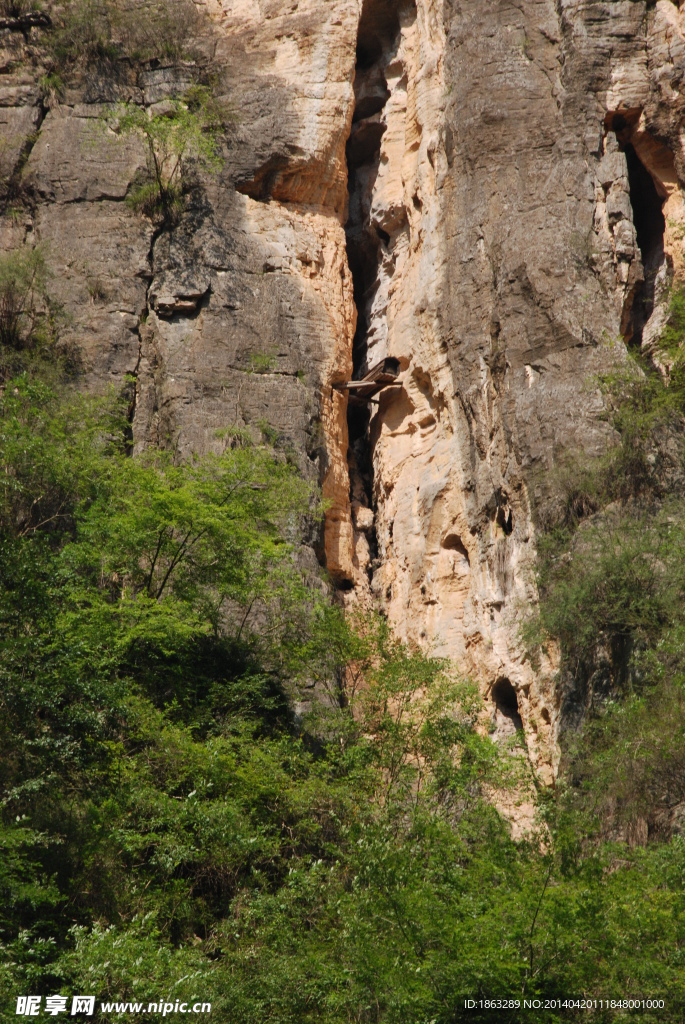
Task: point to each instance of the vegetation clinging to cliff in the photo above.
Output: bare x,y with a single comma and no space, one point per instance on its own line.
171,827
612,595
23,278
107,30
186,130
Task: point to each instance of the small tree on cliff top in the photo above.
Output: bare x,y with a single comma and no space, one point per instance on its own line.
181,132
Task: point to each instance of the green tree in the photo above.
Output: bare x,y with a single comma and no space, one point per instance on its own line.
23,280
185,131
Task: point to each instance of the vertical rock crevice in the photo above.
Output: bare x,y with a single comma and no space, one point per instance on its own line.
371,231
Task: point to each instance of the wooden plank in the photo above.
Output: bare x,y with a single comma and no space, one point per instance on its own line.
383,374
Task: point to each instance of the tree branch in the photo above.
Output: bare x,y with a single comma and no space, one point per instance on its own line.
154,561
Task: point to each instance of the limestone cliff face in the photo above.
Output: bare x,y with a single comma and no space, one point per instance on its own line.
540,144
490,194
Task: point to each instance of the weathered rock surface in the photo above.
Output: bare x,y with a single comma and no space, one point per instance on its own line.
515,206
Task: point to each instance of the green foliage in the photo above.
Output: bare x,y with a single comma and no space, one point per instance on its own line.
50,452
619,575
17,8
612,596
128,586
84,33
51,87
621,585
184,132
645,404
23,280
647,411
96,289
170,829
626,770
30,319
262,362
673,334
269,434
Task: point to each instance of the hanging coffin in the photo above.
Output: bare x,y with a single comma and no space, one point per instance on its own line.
374,380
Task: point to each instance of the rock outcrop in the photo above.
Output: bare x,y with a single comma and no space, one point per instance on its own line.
491,195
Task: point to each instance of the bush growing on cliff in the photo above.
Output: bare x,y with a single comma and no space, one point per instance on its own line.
645,404
631,524
186,131
24,311
621,585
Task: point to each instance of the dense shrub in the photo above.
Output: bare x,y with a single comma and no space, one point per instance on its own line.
28,318
23,277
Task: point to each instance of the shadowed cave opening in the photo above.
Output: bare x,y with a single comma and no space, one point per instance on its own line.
506,710
453,542
377,39
648,219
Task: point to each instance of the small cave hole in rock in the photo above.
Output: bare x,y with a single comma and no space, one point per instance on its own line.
453,542
505,520
506,715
